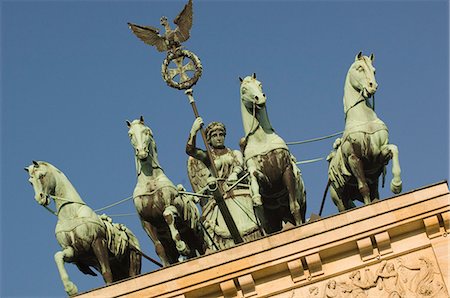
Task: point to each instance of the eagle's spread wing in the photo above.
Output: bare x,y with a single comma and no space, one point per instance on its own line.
149,35
184,23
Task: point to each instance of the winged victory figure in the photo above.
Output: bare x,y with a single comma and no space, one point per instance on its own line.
172,39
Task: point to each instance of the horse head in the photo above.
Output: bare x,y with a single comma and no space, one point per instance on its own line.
361,75
141,138
252,95
42,180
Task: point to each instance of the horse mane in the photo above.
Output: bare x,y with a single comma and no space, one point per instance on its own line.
61,179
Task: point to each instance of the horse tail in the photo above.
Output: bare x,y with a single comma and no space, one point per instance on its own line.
324,196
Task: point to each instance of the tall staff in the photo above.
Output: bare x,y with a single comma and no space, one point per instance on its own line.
170,42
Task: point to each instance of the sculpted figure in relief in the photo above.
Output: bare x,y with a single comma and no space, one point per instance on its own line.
388,280
421,278
229,165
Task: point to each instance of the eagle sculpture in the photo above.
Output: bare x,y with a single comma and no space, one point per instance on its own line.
172,39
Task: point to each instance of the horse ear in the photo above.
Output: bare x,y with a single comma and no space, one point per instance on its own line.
240,79
35,164
141,119
128,123
372,57
359,56
254,75
26,169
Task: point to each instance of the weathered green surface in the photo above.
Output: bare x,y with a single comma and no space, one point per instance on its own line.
275,179
158,202
229,166
360,156
85,238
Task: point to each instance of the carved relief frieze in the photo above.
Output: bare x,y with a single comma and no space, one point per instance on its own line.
413,275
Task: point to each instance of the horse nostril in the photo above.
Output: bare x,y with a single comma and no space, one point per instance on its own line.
256,97
370,84
41,195
264,95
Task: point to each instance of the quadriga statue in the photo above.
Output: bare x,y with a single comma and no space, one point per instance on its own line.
276,181
230,167
360,156
169,219
86,239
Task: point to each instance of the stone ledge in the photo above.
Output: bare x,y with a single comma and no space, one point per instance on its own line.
291,253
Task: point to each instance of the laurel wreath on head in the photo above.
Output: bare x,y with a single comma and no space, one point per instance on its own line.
186,84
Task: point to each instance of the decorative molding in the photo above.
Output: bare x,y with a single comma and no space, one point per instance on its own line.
247,285
446,219
432,226
314,265
296,270
383,243
365,247
228,288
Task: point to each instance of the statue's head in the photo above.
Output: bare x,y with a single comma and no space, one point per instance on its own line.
252,94
163,21
43,183
362,75
331,284
215,134
141,137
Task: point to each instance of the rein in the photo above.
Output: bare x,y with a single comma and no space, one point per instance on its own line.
354,105
65,202
360,101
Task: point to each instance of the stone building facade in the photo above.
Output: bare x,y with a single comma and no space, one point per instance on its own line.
397,247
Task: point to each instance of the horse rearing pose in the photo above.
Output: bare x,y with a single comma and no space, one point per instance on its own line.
362,153
275,180
86,239
169,221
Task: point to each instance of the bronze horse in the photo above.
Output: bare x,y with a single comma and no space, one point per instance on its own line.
275,180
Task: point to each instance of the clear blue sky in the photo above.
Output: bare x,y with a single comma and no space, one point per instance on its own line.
72,73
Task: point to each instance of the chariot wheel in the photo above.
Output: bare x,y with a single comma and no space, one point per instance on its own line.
181,69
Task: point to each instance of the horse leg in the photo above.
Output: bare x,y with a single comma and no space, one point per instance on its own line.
374,194
159,248
65,256
396,182
135,263
169,215
301,192
356,166
254,184
100,249
337,199
290,183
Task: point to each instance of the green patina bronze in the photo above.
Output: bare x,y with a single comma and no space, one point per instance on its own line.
86,239
360,156
276,181
230,167
159,204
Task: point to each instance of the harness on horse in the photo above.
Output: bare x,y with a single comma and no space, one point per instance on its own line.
360,101
65,202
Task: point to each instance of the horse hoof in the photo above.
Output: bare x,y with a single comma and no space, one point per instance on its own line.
183,248
396,187
71,289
